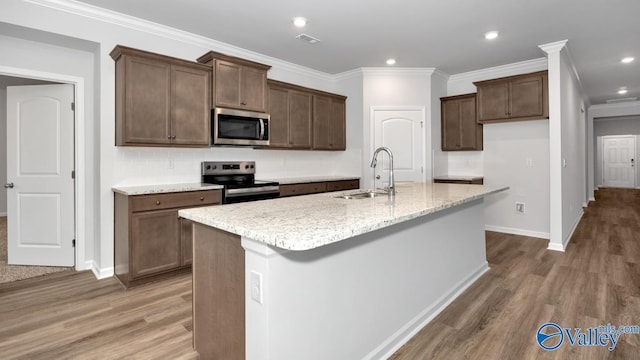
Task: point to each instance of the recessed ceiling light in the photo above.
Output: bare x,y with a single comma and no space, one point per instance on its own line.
299,21
622,91
391,61
627,60
491,35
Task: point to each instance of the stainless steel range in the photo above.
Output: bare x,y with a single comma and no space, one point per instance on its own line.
238,179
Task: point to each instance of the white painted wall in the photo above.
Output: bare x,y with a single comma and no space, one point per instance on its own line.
112,165
396,88
3,150
507,146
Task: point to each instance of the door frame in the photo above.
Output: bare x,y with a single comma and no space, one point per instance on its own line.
603,157
372,127
79,151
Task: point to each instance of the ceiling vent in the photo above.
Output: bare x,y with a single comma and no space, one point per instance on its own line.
614,101
308,39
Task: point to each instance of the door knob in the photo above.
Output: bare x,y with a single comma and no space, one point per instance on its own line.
378,177
8,186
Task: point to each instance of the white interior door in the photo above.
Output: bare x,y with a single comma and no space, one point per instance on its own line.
403,133
619,161
40,161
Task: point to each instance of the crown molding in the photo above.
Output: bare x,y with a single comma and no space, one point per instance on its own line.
620,105
502,70
397,71
149,27
553,47
349,74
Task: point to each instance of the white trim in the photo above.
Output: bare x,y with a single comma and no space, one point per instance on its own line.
515,231
555,247
79,139
3,214
134,23
499,71
98,272
566,241
622,105
398,71
410,329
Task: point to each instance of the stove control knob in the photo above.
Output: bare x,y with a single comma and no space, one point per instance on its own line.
246,166
215,167
208,167
252,166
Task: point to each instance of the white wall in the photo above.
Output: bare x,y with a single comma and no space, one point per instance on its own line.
128,166
3,150
507,146
397,88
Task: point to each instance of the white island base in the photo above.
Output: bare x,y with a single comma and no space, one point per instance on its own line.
361,298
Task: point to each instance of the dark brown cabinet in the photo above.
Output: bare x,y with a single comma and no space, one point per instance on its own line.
513,98
290,108
237,83
151,241
160,100
318,187
329,121
460,130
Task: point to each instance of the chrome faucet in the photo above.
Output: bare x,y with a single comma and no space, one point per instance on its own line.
392,187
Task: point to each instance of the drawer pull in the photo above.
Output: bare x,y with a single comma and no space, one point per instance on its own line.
202,198
157,202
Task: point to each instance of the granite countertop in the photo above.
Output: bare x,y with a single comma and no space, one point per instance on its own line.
311,179
163,188
310,221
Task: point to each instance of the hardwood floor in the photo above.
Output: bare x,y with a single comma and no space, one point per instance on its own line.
595,282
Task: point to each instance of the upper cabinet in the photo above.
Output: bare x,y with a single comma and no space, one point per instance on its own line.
160,100
291,111
460,130
304,118
329,121
513,98
237,83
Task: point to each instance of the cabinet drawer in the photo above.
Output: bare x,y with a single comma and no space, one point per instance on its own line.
343,185
175,200
302,189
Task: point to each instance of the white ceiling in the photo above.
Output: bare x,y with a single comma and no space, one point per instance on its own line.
445,34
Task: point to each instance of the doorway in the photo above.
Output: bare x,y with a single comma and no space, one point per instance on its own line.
619,161
402,131
29,76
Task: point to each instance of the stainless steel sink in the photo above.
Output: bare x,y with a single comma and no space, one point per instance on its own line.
362,195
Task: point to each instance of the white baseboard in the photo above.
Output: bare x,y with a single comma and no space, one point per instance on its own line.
101,273
409,330
565,242
514,231
555,247
3,214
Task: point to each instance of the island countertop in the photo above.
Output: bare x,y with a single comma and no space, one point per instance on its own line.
311,221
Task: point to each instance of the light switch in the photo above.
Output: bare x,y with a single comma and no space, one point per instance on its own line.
256,286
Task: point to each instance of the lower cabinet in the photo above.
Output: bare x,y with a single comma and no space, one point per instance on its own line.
151,241
317,187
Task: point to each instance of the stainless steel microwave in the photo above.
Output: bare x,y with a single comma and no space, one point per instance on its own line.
239,127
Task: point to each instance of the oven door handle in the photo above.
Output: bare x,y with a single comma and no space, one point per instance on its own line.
251,191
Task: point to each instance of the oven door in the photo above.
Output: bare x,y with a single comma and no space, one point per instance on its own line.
236,195
237,127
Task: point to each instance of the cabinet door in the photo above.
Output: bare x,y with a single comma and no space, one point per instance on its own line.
227,83
337,125
190,109
300,118
493,101
186,241
526,97
321,116
451,115
253,91
155,242
470,130
147,101
279,117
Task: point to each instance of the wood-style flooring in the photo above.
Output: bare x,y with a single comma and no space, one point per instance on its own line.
595,282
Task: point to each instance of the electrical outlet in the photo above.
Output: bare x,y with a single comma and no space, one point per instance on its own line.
529,162
256,286
520,207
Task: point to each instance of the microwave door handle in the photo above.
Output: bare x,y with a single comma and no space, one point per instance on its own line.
261,135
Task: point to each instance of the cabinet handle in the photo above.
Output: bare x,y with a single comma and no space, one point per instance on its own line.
169,137
243,103
202,198
157,202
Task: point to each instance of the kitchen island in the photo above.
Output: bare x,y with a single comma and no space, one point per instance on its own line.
323,277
